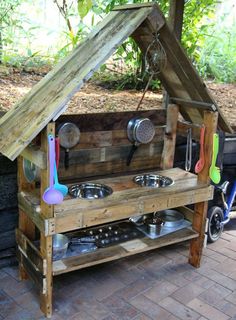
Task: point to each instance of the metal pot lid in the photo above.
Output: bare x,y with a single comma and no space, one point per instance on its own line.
31,171
69,135
171,218
140,130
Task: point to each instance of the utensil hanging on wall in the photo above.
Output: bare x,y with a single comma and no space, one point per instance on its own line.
139,131
201,162
52,195
31,171
214,171
188,156
69,136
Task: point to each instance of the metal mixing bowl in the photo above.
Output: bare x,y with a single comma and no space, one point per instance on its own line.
60,244
153,181
90,191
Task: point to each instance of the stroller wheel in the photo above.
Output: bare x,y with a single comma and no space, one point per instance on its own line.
215,228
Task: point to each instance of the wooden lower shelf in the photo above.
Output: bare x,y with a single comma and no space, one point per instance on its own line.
120,251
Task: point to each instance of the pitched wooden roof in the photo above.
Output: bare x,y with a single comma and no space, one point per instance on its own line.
48,98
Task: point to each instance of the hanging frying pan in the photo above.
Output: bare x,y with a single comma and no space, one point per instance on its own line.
139,131
31,171
69,135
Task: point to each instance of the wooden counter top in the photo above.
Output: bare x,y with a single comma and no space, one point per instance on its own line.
128,199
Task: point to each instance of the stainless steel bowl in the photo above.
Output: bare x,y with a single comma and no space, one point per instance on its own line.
153,181
172,218
60,244
90,191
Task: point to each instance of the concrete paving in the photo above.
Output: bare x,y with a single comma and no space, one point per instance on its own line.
158,285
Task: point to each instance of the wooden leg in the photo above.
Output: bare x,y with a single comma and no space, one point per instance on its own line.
199,222
200,209
28,228
46,298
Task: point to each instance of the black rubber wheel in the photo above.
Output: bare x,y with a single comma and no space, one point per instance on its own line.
215,228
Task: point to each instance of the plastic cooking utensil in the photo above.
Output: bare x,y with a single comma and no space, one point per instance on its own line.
214,170
51,195
58,186
201,162
57,145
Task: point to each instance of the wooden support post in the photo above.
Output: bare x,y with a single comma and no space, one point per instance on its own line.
176,14
46,212
175,22
25,223
168,153
200,209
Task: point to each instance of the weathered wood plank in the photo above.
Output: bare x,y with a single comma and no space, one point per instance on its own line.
31,252
35,155
111,121
168,153
109,168
34,274
123,250
110,154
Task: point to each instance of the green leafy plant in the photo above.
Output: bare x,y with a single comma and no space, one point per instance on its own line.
217,58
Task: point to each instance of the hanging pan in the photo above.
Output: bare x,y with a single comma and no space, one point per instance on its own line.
69,136
139,131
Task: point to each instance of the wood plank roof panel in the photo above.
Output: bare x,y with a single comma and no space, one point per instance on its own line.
50,96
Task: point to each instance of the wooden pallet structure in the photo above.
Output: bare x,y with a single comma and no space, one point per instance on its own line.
102,151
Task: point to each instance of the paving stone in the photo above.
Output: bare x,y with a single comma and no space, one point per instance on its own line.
91,306
206,310
81,316
149,308
226,307
106,288
204,282
160,291
7,305
22,314
215,294
187,293
126,276
13,287
28,300
178,309
231,297
227,252
227,267
137,287
154,263
111,317
12,271
171,317
120,308
218,278
142,316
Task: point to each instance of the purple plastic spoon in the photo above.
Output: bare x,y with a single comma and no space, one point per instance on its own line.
51,195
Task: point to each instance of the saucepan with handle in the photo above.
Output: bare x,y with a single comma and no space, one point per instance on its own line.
139,131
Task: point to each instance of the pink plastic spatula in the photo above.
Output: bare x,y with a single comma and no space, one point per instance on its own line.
201,162
51,195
